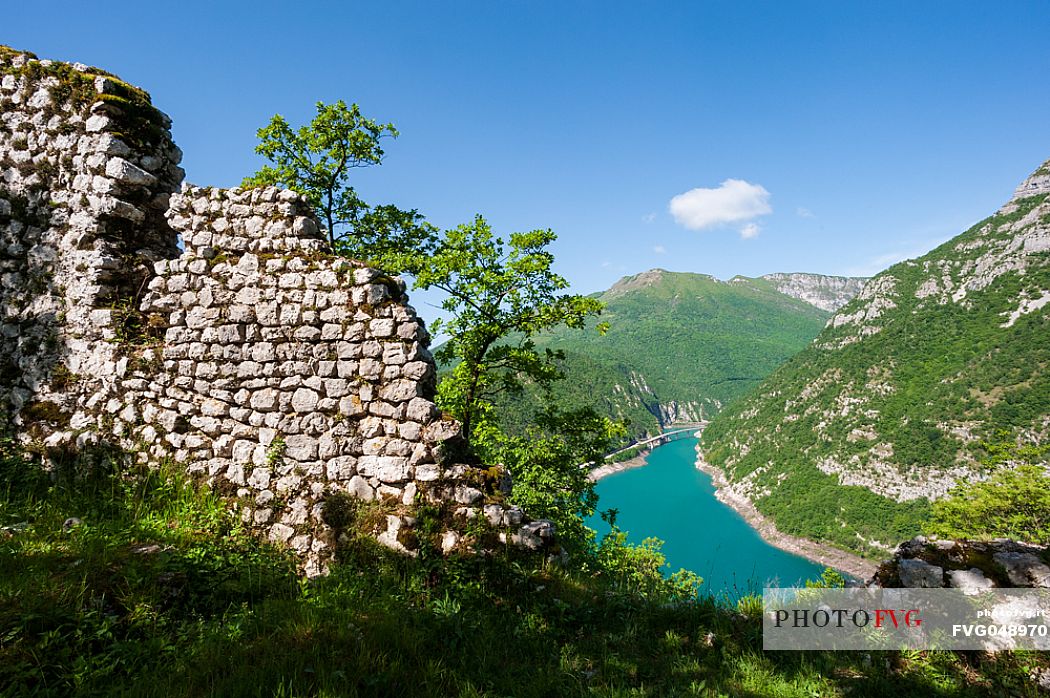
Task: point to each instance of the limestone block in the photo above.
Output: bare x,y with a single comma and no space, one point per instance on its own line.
449,541
493,513
394,354
307,334
971,581
265,400
1024,569
441,430
289,314
382,328
304,400
464,494
97,122
535,535
410,431
371,348
409,330
417,371
214,408
920,574
400,391
385,409
370,369
398,447
428,472
360,488
375,446
260,478
421,410
352,406
301,448
127,173
280,533
268,314
341,468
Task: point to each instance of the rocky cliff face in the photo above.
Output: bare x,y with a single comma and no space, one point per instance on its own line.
280,374
825,292
897,394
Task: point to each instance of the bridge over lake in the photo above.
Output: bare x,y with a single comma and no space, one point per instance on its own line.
683,430
676,432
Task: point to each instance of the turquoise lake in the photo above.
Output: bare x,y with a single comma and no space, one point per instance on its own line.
670,499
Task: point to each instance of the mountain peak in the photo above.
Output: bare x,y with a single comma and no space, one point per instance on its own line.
1036,183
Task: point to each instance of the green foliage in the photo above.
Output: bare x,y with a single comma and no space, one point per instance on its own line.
1013,503
829,579
275,453
544,464
158,592
495,289
639,569
141,573
317,160
812,504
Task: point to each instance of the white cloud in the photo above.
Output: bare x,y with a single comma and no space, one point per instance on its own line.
649,217
734,201
660,249
749,231
804,212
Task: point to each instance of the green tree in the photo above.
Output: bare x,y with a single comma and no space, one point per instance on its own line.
544,463
499,296
317,160
1013,503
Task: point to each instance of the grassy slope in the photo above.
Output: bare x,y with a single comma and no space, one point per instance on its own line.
693,339
96,610
948,365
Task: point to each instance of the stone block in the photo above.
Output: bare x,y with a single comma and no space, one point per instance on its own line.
304,400
301,448
917,574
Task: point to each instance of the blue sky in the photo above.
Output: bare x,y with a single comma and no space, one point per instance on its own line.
852,134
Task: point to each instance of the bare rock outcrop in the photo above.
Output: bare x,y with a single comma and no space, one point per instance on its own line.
967,565
825,292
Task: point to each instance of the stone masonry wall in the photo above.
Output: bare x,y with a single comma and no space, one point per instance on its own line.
271,369
86,166
285,372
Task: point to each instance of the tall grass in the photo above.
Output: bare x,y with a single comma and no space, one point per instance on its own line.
159,590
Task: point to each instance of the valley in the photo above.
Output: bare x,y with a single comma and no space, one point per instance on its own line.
680,346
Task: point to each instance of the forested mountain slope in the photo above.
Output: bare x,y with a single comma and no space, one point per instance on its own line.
679,346
889,406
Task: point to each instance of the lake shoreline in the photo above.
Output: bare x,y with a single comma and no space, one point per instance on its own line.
612,468
819,553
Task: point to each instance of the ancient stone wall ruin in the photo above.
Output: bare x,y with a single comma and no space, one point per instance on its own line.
87,165
272,369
